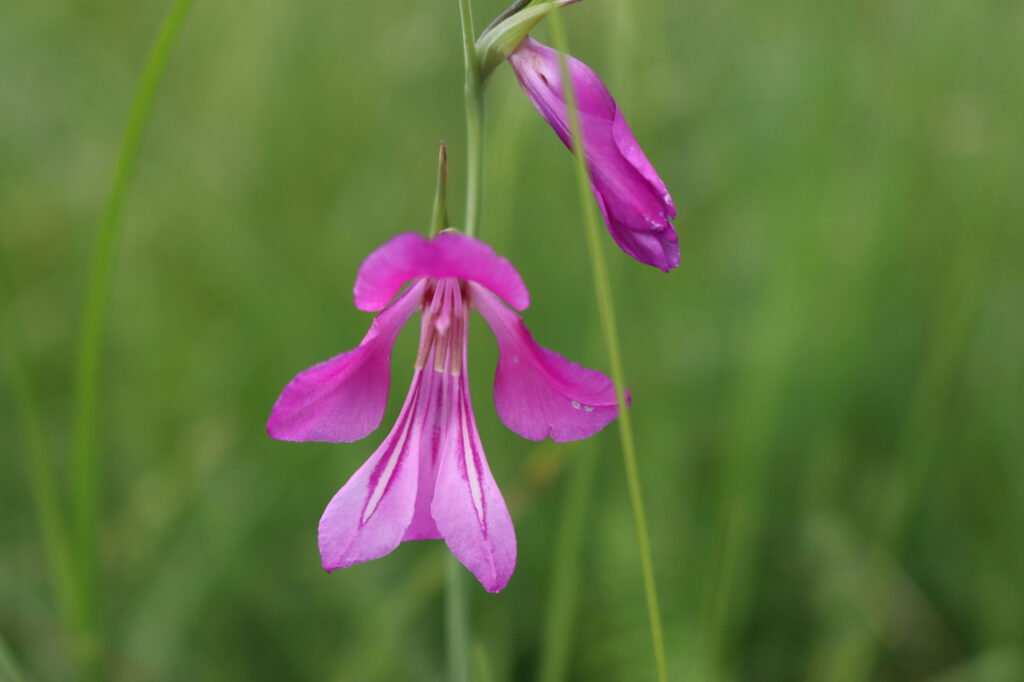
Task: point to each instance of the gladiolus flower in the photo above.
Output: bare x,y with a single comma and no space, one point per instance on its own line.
636,205
429,478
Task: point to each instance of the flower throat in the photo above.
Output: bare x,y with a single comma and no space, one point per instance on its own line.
445,321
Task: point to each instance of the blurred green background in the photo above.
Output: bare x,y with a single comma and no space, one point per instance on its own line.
828,393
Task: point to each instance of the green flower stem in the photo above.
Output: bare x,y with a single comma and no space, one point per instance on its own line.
474,120
84,452
456,606
456,620
606,311
9,669
44,493
43,490
563,594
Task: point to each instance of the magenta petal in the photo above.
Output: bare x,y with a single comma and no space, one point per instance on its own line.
449,254
659,248
537,392
435,397
635,204
368,517
343,399
468,508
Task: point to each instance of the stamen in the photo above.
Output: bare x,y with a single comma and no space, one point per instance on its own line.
443,330
426,341
443,340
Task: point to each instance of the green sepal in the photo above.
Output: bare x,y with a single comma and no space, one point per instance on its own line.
496,44
439,216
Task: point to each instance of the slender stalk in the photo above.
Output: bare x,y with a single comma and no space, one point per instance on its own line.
606,311
456,620
456,608
9,670
84,462
474,120
565,579
44,492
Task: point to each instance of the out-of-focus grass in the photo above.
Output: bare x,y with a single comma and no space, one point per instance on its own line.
841,349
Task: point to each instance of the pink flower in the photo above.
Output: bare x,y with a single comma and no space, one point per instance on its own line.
429,478
634,201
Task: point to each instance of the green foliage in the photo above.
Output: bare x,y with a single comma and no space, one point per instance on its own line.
827,394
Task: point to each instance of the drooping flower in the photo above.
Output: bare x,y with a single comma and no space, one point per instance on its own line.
635,204
429,478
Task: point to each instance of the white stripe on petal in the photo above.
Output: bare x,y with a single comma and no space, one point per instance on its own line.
389,468
471,471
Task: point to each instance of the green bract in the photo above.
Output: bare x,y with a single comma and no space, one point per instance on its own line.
496,44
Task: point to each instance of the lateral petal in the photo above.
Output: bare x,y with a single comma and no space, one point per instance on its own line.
468,508
343,399
537,392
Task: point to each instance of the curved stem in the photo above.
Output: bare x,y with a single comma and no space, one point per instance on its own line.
43,486
83,454
606,311
9,669
474,120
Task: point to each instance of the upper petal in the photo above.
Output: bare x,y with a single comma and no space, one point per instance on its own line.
369,516
343,399
537,392
468,508
449,254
